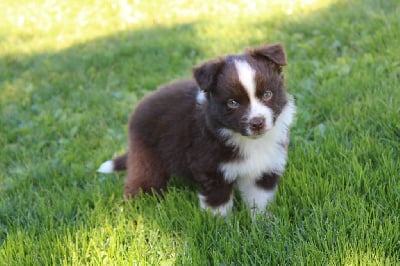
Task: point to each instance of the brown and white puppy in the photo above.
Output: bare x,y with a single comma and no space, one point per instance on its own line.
227,127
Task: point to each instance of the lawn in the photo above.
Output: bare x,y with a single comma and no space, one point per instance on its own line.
72,71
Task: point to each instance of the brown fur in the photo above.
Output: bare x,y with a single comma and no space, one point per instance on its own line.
170,133
145,169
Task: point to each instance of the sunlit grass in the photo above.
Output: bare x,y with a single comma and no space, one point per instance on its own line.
33,26
72,71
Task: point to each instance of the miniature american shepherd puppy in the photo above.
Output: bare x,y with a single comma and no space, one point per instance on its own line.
227,127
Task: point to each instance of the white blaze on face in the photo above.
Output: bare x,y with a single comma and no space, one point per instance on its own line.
247,76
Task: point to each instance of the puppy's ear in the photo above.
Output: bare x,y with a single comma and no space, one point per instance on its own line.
206,73
273,52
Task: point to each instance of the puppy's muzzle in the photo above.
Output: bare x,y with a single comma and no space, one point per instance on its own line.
257,124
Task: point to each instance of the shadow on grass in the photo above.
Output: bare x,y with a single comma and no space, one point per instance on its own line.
64,113
51,100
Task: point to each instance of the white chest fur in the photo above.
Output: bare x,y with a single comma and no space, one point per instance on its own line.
262,155
259,156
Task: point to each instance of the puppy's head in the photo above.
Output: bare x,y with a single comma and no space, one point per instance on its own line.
244,93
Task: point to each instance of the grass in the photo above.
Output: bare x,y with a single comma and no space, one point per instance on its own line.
72,71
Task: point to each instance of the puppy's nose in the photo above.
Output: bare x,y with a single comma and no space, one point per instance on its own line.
257,123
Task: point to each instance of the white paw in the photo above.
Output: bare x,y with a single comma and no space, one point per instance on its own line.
222,210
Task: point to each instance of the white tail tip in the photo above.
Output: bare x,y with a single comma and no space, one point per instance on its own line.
106,167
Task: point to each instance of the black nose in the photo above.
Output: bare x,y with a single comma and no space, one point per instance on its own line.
257,123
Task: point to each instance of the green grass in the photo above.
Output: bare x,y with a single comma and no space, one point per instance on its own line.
71,72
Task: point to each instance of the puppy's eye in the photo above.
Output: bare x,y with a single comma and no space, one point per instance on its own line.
232,104
267,95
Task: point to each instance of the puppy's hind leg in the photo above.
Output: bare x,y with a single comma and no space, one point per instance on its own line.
146,170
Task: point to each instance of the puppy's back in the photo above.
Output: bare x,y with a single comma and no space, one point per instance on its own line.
164,119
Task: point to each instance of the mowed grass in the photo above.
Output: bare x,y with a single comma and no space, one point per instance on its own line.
72,71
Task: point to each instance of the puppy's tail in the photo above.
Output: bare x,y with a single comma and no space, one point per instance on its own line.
116,164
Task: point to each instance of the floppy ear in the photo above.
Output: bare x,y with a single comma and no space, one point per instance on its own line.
273,52
206,73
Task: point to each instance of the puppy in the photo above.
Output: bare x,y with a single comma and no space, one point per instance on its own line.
228,127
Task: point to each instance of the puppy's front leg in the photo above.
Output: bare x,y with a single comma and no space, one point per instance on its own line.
216,196
259,192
